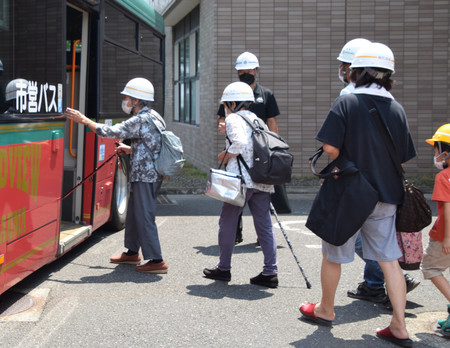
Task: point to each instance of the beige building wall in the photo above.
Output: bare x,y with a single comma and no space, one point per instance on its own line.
297,43
200,140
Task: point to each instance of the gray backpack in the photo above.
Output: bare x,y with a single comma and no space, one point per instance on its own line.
171,157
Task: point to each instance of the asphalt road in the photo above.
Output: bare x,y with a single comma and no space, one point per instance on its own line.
82,300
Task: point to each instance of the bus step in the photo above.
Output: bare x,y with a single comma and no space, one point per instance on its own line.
71,235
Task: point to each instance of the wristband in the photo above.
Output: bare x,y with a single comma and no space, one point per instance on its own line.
87,124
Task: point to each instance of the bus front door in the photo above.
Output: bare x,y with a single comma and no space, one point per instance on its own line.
74,228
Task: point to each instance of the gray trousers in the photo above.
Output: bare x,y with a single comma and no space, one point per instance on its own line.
259,205
141,230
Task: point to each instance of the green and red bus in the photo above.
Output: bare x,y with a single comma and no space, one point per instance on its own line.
54,54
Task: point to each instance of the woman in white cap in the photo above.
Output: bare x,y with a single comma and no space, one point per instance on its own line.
141,230
237,98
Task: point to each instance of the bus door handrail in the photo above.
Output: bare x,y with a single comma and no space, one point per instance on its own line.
72,95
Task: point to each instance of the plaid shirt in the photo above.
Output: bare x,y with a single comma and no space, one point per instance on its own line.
145,142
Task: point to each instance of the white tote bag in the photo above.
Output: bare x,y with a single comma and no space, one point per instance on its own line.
226,187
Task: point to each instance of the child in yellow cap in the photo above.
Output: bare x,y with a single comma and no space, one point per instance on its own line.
437,257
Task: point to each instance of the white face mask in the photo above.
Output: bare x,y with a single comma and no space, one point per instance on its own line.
438,164
126,109
225,110
340,75
440,160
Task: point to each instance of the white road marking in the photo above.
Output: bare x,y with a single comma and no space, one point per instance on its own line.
290,226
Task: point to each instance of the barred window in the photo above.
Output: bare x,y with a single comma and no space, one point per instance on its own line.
186,66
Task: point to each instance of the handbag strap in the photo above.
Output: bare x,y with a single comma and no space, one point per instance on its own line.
223,159
313,159
226,151
384,134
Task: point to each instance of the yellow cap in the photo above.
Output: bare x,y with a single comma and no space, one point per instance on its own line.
442,134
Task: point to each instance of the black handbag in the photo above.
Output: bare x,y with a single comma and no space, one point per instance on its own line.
414,213
344,201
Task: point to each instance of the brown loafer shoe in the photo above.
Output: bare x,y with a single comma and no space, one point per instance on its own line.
124,258
151,267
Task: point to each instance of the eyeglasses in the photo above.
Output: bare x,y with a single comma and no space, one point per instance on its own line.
442,156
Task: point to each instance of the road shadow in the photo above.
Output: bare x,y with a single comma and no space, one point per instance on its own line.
118,273
357,311
201,205
323,337
218,290
189,205
213,250
409,305
427,338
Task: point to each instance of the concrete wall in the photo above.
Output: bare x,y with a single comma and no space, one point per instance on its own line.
297,43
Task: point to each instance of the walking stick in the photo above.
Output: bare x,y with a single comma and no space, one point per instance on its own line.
272,209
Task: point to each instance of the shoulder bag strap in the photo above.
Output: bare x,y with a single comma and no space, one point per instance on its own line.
384,134
241,159
253,124
149,119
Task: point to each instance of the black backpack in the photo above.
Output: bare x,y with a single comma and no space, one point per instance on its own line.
272,162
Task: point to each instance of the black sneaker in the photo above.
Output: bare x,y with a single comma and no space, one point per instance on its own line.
238,240
270,281
364,292
217,274
411,283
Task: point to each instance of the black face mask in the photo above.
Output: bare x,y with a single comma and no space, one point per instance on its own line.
247,78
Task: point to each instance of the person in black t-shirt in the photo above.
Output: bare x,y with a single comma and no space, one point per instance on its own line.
265,105
350,131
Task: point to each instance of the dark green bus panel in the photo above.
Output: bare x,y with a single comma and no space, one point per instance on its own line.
133,46
32,58
42,40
